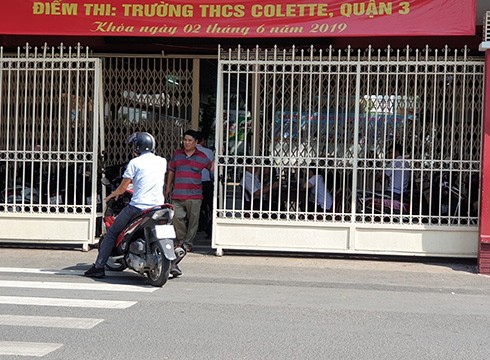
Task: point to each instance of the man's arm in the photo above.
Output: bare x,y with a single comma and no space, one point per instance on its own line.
266,188
262,190
120,189
170,183
210,166
307,185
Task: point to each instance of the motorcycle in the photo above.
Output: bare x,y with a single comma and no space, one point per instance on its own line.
147,243
446,197
21,190
435,197
381,203
65,185
19,195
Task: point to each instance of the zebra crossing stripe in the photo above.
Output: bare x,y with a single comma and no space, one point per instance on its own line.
18,348
99,286
84,303
49,321
60,272
41,271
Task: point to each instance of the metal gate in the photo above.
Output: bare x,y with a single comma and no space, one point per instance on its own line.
49,104
149,93
389,141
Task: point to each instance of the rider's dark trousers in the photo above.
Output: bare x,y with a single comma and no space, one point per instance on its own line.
122,219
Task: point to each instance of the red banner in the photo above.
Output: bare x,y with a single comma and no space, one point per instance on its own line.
231,18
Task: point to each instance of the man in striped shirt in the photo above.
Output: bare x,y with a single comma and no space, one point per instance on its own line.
184,174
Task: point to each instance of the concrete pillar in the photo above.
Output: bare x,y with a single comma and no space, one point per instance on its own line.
484,244
196,74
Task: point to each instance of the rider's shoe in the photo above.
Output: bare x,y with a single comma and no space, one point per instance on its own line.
95,272
175,271
187,246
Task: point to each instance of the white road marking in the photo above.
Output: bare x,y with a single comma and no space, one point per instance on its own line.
59,272
99,286
86,303
49,321
41,271
18,348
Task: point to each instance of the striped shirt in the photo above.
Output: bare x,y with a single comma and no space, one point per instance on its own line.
187,178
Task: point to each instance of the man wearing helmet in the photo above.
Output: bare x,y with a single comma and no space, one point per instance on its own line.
146,171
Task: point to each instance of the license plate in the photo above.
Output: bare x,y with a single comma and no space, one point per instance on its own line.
165,231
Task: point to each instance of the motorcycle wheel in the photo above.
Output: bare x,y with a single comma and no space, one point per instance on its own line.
112,265
158,276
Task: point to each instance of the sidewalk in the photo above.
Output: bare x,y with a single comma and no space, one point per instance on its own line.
323,270
202,253
341,261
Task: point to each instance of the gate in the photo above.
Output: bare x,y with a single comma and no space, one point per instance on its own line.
48,145
389,142
149,93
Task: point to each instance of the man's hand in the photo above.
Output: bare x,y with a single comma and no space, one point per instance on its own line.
111,196
120,190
